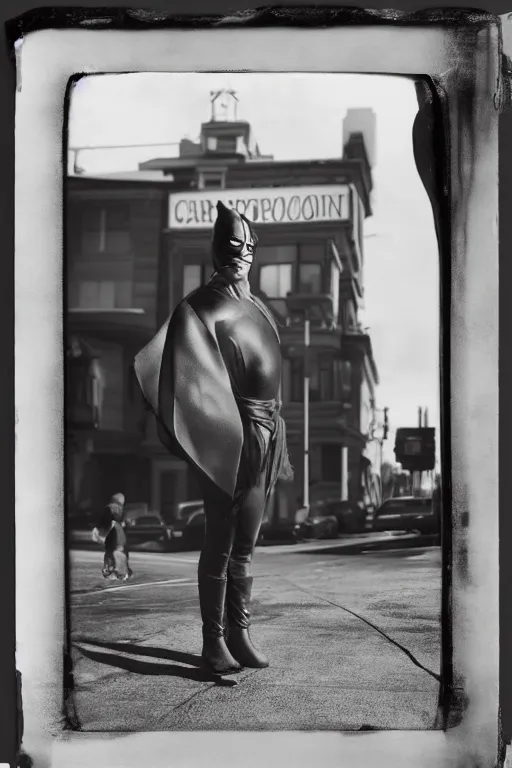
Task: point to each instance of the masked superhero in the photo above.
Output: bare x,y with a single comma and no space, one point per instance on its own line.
212,378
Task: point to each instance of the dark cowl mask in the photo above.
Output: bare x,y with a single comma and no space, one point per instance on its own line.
231,232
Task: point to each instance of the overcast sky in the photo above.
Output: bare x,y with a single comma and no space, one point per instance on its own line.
299,116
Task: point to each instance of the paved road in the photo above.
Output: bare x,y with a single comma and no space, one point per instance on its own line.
353,639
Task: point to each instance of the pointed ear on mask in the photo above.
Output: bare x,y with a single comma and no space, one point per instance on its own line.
228,226
251,230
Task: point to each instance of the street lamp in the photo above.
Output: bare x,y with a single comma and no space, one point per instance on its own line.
384,425
306,412
317,306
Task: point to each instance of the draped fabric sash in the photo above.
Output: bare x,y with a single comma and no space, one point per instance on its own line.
264,443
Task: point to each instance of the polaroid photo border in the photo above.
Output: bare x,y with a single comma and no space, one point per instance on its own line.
461,54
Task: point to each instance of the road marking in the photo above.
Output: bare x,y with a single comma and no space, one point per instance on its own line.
316,546
124,587
420,550
86,556
81,556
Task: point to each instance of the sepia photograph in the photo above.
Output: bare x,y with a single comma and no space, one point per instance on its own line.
253,465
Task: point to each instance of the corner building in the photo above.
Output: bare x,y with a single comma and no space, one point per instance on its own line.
309,217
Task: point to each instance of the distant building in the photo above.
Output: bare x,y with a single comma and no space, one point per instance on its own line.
138,242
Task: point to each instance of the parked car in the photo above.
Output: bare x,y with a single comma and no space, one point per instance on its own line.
182,522
281,530
319,522
143,524
186,522
407,513
350,518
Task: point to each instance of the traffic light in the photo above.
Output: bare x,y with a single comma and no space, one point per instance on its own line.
415,448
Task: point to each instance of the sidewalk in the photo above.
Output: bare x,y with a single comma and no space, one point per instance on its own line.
330,669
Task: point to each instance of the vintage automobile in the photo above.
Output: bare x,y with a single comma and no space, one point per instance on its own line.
185,522
143,524
283,530
350,518
318,522
407,513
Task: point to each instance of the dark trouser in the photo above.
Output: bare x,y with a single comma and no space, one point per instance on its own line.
224,576
231,531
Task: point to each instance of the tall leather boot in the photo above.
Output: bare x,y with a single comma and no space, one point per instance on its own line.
238,600
215,655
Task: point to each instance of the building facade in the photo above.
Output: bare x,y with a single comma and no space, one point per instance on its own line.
138,243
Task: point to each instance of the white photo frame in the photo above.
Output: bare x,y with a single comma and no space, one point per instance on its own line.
464,61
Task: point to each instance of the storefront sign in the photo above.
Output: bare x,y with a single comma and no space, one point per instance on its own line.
264,205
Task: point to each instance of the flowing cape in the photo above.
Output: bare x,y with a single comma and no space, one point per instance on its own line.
185,382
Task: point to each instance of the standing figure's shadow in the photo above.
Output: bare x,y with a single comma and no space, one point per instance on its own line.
193,672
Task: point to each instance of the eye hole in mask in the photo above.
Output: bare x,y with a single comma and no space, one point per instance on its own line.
236,243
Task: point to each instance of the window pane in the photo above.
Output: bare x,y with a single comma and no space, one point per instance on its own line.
276,280
342,379
212,182
346,367
107,295
310,278
123,294
226,144
88,297
192,274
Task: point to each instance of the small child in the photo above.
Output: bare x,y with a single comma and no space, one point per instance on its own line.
110,532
